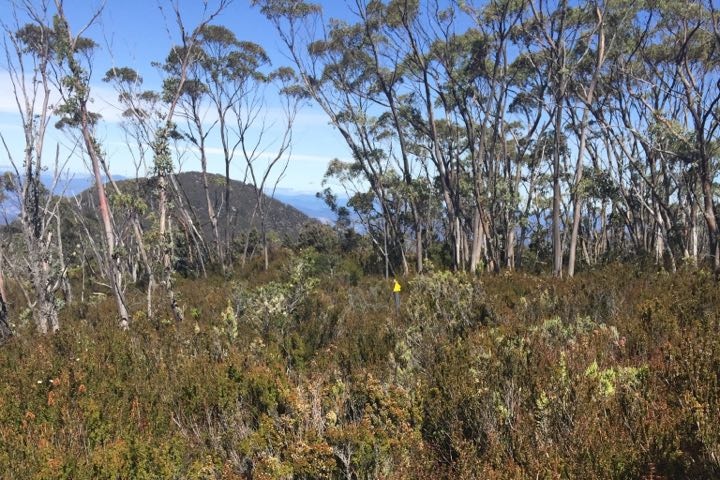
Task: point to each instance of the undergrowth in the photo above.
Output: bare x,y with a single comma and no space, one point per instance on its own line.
306,372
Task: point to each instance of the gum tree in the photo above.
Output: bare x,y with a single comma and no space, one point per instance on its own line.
29,53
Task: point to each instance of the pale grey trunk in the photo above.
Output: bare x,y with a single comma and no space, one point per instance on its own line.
213,218
510,249
477,243
556,237
659,239
577,194
66,287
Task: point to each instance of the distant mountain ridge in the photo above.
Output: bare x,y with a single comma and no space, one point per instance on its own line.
281,218
76,183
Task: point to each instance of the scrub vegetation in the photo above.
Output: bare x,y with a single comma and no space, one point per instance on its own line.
306,371
537,180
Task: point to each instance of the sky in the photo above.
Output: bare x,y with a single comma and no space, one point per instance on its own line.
136,33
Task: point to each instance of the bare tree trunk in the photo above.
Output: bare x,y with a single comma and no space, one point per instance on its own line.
113,270
659,238
476,252
510,249
138,234
188,217
263,232
66,288
213,217
710,219
5,330
556,237
200,144
694,233
588,100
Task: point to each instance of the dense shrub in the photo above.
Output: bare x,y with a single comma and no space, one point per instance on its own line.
301,374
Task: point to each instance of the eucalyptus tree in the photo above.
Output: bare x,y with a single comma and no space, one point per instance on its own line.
226,96
545,41
141,116
30,51
194,110
410,35
469,93
595,41
374,217
649,185
338,70
238,81
182,57
265,143
384,61
617,122
190,108
149,122
690,34
171,195
73,57
649,121
232,72
503,114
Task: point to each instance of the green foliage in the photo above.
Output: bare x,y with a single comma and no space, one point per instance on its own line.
446,300
162,158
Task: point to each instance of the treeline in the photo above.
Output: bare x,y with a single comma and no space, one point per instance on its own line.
506,132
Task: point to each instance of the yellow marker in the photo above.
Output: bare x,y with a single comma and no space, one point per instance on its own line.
396,294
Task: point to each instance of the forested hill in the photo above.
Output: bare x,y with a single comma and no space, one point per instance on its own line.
187,191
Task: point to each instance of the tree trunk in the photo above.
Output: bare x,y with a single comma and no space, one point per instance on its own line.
588,100
710,219
556,238
5,330
476,251
166,246
213,217
66,288
114,274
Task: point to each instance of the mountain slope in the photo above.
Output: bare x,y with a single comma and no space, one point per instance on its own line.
281,218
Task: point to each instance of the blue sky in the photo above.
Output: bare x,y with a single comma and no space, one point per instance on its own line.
135,33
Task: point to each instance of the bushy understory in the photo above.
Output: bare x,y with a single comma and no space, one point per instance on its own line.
302,374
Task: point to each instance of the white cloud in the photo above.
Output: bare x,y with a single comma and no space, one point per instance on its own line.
103,99
315,143
7,98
